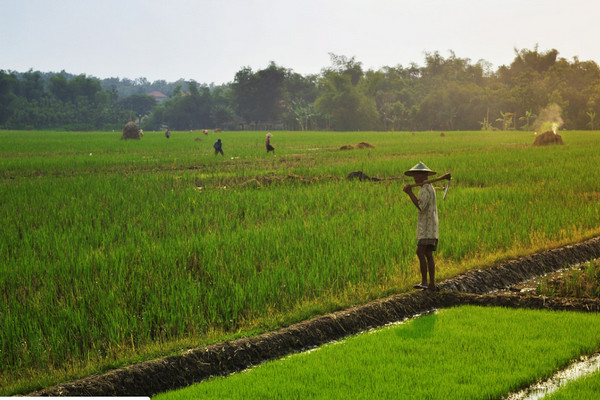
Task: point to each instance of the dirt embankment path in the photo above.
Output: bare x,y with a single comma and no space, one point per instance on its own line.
151,377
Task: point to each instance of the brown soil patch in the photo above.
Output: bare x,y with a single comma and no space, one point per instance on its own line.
270,179
260,181
361,145
361,176
195,365
547,138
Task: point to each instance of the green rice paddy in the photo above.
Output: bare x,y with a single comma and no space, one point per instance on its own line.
117,251
584,389
460,353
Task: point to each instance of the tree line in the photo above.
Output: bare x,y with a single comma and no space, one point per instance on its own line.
446,93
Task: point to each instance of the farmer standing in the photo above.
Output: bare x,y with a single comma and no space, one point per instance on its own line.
218,147
268,143
427,222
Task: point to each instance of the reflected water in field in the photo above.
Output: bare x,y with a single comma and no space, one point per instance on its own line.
585,366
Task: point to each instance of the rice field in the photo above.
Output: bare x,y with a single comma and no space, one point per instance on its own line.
117,251
584,389
458,353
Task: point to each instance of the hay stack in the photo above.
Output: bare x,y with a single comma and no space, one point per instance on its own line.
347,147
547,138
131,131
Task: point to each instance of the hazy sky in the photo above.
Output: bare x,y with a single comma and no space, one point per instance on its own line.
210,40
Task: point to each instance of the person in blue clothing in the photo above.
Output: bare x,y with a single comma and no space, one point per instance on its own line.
218,147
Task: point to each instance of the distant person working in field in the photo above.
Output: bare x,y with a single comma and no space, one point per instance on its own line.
269,147
218,147
427,222
168,133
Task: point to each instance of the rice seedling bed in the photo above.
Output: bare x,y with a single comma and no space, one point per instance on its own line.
466,352
118,251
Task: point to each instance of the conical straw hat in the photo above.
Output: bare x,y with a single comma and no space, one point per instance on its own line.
419,168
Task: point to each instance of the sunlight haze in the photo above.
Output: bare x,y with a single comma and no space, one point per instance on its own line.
209,41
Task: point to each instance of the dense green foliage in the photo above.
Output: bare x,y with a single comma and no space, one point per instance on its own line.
444,94
460,353
109,247
79,104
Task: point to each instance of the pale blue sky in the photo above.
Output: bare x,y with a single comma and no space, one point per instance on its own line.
210,40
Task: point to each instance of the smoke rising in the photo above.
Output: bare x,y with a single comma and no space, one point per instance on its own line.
549,119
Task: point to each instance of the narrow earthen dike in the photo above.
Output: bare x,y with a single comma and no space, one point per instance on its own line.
151,377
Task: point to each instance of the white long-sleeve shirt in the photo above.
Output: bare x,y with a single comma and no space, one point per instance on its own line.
427,221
